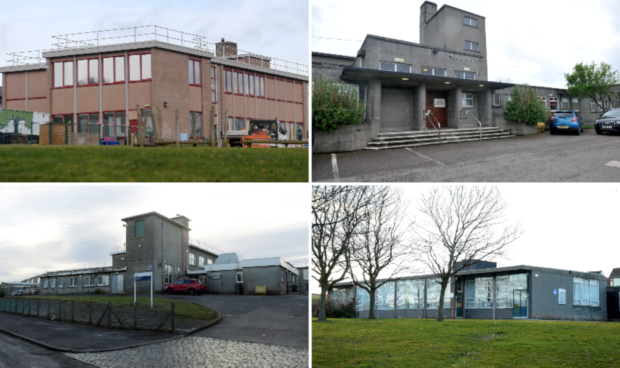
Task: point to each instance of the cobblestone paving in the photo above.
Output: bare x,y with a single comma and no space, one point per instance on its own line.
199,352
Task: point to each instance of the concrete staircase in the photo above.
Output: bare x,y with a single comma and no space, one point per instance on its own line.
414,138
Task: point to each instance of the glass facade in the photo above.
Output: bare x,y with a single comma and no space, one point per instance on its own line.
433,292
479,291
384,297
410,294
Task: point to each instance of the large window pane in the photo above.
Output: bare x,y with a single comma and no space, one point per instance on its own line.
246,83
82,72
384,297
134,67
594,294
196,71
119,66
234,82
191,71
93,71
69,120
198,125
387,66
146,66
83,123
120,124
362,299
577,292
57,74
108,124
69,73
403,68
108,70
93,126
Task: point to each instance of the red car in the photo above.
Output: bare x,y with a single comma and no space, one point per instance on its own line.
186,286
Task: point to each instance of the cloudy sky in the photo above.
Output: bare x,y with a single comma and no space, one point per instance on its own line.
276,28
528,41
47,227
565,226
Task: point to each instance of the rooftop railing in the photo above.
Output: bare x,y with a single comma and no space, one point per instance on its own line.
162,34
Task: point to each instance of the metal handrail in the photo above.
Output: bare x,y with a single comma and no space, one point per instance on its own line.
428,114
479,123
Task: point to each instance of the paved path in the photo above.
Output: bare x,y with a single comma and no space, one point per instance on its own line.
199,352
540,158
17,353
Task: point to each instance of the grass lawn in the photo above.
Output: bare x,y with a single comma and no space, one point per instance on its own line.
588,127
181,308
34,163
464,343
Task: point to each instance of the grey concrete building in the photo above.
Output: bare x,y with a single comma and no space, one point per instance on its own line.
163,245
485,291
441,82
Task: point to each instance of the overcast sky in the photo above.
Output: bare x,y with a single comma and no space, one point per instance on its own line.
529,41
47,227
565,226
275,28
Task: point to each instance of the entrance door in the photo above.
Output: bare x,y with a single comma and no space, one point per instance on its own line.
519,303
459,298
121,284
114,284
437,103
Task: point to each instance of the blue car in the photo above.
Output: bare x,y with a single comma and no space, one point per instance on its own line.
566,121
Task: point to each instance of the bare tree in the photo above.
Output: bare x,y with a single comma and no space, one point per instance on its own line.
337,212
378,245
460,225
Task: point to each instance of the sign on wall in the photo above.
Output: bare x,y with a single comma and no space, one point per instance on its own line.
440,102
468,69
399,60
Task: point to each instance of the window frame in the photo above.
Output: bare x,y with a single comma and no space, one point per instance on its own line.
557,103
472,43
433,71
395,66
201,261
237,274
89,124
572,104
251,88
88,73
114,81
45,284
106,279
63,74
52,283
126,126
135,228
61,283
561,296
499,100
213,78
192,259
89,284
228,89
199,72
471,19
465,73
141,54
464,97
72,282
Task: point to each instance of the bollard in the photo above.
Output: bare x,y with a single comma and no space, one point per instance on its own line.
176,118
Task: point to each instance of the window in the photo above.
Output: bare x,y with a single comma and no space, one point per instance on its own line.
553,103
433,71
393,67
410,294
585,292
72,281
63,74
213,86
194,72
575,104
89,281
433,293
470,45
305,274
239,277
215,275
53,283
260,86
198,124
592,105
61,283
464,75
384,296
565,104
342,294
45,283
88,72
209,261
248,84
192,259
506,285
543,100
201,261
281,275
139,228
168,279
228,81
471,21
139,67
240,123
103,280
88,123
507,98
479,293
496,100
561,296
468,100
114,69
114,124
362,299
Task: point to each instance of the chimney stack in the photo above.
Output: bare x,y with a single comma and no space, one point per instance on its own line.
225,48
427,10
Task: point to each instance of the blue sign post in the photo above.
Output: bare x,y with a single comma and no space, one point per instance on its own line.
143,276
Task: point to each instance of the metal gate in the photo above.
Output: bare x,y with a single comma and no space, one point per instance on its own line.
214,285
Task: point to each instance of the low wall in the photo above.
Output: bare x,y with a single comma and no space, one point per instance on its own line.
344,139
518,129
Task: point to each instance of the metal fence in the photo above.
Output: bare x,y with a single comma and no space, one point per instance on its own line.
92,313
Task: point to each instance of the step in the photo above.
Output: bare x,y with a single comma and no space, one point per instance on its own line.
435,143
435,135
469,137
433,131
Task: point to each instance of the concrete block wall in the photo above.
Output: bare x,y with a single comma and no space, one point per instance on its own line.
262,276
78,289
397,109
170,83
198,253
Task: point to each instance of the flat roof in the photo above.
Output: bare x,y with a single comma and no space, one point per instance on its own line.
153,213
23,68
324,54
350,73
80,271
76,51
257,68
202,249
452,7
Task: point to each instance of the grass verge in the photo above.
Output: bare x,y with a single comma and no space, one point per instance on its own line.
588,127
464,343
181,308
34,163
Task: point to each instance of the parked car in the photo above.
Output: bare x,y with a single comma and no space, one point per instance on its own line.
566,121
186,286
18,293
609,122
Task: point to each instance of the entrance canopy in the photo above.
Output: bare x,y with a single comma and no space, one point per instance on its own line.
432,82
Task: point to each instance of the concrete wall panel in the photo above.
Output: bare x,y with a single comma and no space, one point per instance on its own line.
37,84
38,105
88,99
270,87
15,105
62,101
114,97
140,93
195,98
15,86
250,107
170,79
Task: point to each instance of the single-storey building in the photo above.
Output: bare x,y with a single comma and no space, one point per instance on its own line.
614,277
485,291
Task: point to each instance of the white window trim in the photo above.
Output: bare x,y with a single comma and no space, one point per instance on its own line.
106,280
45,283
433,70
575,101
477,49
201,261
467,97
192,259
61,283
499,100
561,296
74,279
237,274
89,278
52,283
470,21
389,62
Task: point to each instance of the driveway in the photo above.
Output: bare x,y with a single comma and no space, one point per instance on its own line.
273,320
540,158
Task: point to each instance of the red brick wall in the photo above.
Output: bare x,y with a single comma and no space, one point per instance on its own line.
170,77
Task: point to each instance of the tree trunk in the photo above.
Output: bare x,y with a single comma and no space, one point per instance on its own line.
371,311
322,315
441,299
